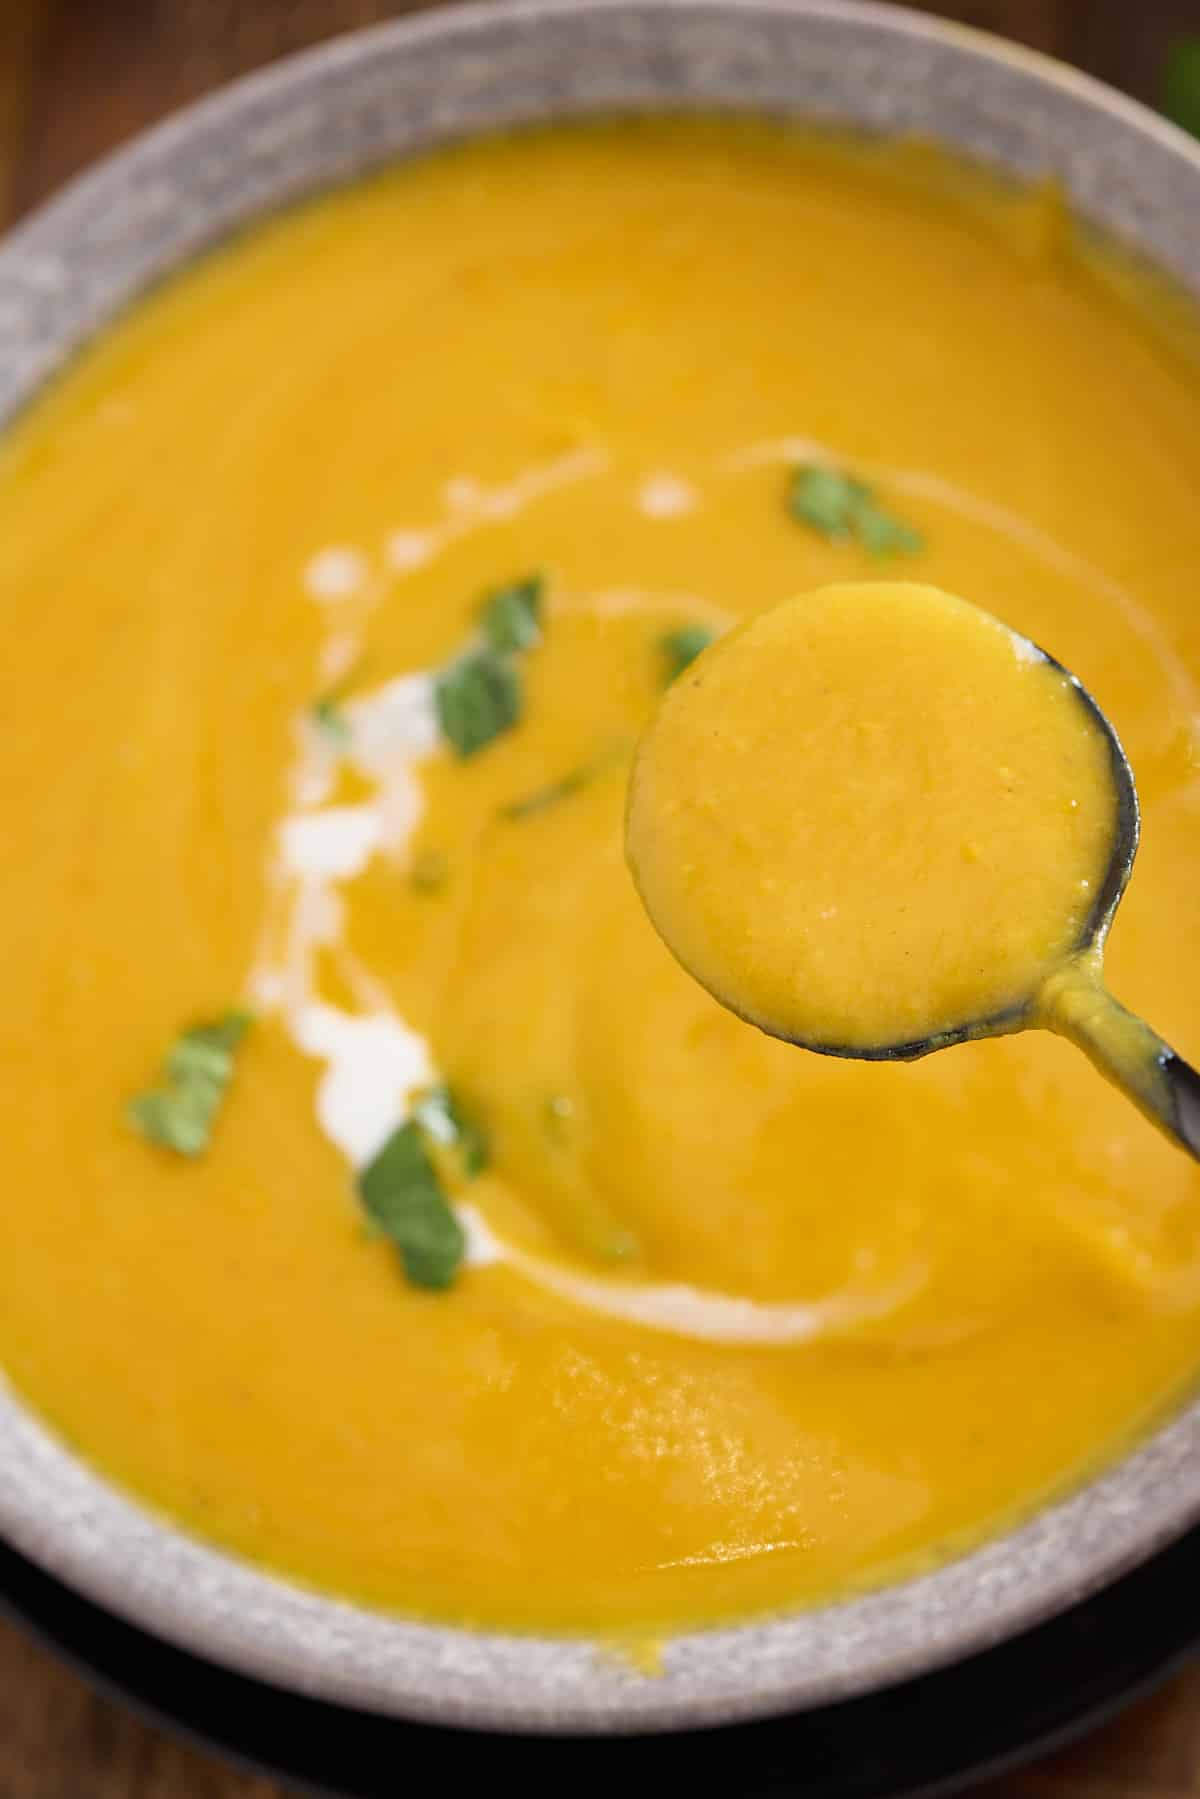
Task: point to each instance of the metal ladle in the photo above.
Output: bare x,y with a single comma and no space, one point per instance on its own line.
1073,1000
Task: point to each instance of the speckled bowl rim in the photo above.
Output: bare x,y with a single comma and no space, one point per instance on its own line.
316,120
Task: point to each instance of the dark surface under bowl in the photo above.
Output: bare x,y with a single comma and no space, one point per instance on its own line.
934,1734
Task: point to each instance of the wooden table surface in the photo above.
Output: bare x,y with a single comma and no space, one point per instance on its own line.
76,78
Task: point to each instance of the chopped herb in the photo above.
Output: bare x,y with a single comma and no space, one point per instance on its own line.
443,1117
512,616
429,872
478,699
402,1190
845,510
542,797
404,1199
329,719
181,1113
576,778
327,712
479,696
1181,84
827,500
680,648
882,535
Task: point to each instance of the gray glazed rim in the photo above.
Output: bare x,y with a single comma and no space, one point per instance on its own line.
317,120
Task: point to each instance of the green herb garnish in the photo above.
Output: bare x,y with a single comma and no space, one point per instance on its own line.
882,535
446,1121
576,778
845,510
328,711
680,648
543,797
329,719
511,617
1181,84
404,1199
828,501
478,699
180,1114
403,1192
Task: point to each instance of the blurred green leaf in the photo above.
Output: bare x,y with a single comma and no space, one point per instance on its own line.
1181,84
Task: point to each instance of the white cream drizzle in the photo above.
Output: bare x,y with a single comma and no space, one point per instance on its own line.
469,505
679,1310
335,573
339,654
374,1064
334,844
396,723
405,551
663,495
619,602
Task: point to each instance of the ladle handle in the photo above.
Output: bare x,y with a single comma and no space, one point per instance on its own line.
1184,1082
1135,1058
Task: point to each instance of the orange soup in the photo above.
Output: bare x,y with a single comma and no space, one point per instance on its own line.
382,1200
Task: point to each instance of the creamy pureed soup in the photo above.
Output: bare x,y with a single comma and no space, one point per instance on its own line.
494,1272
873,817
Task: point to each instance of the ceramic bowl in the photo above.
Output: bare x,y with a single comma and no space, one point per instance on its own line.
320,119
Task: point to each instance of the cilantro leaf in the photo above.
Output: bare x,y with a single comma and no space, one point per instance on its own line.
1181,85
180,1114
680,648
882,535
512,616
442,1116
542,798
549,795
827,500
477,699
220,1038
479,696
327,712
845,510
330,720
404,1198
181,1121
403,1194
